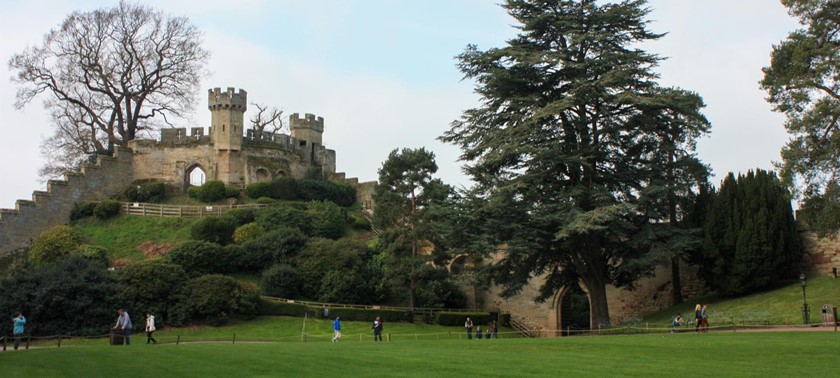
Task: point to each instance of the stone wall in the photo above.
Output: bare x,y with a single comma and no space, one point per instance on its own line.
93,182
823,252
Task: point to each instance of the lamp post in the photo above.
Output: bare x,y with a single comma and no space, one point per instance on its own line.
806,316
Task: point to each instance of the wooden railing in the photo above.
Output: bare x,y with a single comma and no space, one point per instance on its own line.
156,210
523,328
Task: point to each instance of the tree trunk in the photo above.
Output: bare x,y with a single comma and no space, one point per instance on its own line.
676,277
599,312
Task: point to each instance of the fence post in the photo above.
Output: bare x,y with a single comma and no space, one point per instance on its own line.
389,337
28,338
59,341
450,332
234,339
178,340
4,343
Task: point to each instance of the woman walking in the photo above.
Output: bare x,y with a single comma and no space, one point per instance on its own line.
150,328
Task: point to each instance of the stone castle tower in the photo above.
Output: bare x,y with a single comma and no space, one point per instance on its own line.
227,112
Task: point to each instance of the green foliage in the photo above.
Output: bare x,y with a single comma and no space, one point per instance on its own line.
151,286
278,308
242,216
750,235
198,257
152,191
284,215
320,190
801,82
574,150
82,210
459,318
92,252
330,270
281,188
121,235
54,244
106,209
74,296
277,246
231,192
326,219
281,280
210,191
214,229
217,299
821,212
266,201
247,232
436,290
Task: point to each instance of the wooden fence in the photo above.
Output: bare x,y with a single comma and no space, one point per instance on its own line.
156,210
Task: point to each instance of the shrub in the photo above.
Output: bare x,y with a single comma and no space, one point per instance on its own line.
459,318
280,245
216,299
281,280
282,188
93,253
247,232
284,215
319,190
74,296
342,286
152,191
152,286
359,314
280,308
54,244
106,209
199,257
193,191
231,192
322,256
242,216
214,229
266,201
210,191
82,210
326,219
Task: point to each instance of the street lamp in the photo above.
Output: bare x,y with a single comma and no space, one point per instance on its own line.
806,315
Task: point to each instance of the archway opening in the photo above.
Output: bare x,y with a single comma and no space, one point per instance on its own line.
196,176
262,174
573,312
281,173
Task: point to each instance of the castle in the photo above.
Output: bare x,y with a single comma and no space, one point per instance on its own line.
228,152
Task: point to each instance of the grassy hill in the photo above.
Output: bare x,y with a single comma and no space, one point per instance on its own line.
778,306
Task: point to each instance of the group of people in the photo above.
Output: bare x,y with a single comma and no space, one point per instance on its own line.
124,327
701,319
491,332
376,327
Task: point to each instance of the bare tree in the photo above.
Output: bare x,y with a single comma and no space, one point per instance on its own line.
107,73
267,120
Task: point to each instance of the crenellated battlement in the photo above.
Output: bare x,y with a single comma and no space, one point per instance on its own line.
309,121
216,99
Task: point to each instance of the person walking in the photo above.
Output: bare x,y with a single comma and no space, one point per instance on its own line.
150,328
124,325
704,319
698,318
336,330
495,329
19,322
469,326
377,329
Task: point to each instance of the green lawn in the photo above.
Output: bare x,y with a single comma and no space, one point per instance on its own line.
779,306
680,355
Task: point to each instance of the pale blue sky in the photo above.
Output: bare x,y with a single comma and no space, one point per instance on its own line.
383,75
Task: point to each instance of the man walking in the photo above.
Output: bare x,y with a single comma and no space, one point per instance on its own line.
469,326
377,329
124,325
19,322
336,330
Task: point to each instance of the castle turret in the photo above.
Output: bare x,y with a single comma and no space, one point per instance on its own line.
227,111
309,128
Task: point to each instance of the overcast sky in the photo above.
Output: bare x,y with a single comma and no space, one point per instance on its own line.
382,73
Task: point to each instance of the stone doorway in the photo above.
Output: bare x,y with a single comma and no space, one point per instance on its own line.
572,311
196,176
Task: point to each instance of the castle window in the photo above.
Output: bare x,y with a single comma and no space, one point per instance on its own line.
223,127
262,175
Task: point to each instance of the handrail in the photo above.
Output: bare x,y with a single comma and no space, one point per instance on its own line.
373,307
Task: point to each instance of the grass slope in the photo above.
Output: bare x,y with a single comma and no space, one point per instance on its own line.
779,306
122,234
680,355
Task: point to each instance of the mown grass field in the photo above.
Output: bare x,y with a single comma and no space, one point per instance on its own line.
793,354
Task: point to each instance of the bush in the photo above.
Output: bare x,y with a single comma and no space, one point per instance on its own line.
75,296
210,191
247,232
319,190
106,209
459,318
199,257
214,229
92,253
231,192
358,222
284,215
320,258
152,191
282,188
242,216
280,308
54,244
216,299
280,245
266,201
327,220
281,280
151,286
82,210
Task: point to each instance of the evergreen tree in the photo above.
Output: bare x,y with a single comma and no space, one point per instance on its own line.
581,161
750,236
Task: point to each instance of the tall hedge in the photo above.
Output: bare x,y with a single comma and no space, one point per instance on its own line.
459,318
217,299
199,257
